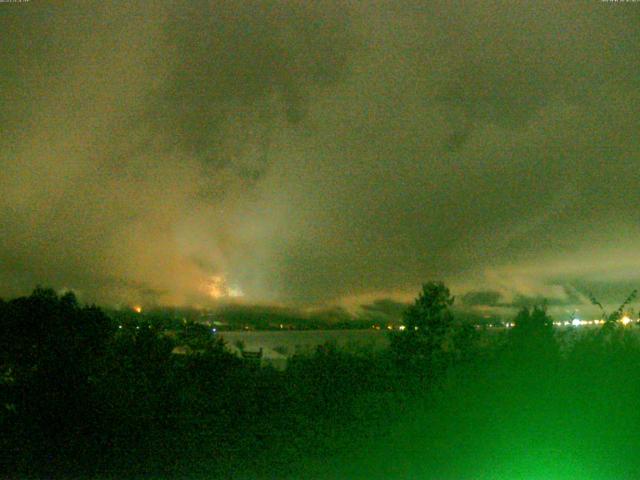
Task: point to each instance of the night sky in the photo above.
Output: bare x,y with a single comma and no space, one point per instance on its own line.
317,153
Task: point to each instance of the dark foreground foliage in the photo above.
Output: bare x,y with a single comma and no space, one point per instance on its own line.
83,396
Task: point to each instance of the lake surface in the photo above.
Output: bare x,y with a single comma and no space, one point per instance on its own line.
290,342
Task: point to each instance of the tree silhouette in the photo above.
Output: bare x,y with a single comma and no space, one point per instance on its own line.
53,348
532,338
611,319
533,322
428,322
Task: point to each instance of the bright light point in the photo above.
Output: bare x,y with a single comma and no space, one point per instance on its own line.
401,328
137,309
625,320
576,322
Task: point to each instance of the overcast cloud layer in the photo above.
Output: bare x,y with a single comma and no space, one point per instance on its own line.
320,152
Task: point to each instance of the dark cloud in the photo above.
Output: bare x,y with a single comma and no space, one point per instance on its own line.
561,297
481,298
569,300
384,310
281,317
319,152
238,65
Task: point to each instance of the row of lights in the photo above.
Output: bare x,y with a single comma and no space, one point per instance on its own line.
576,322
402,328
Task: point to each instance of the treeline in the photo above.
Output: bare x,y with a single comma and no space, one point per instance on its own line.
81,396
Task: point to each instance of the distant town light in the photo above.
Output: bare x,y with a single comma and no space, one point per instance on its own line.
576,322
137,309
401,328
625,320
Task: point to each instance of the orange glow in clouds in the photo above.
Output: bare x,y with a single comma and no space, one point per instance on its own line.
219,288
